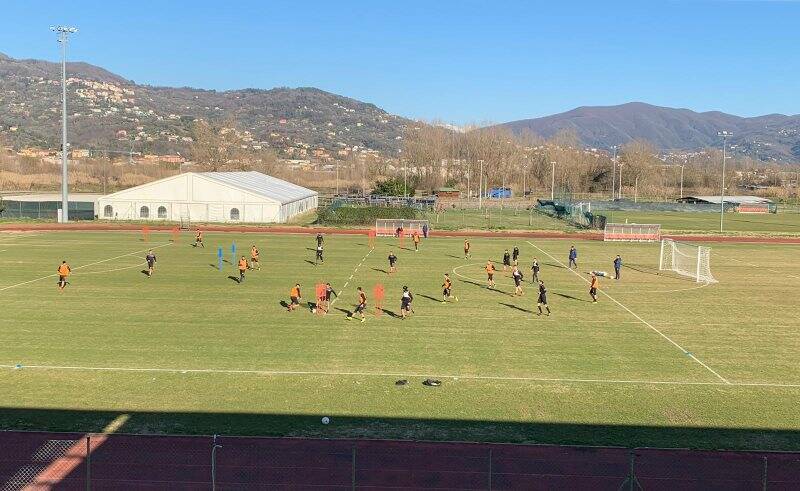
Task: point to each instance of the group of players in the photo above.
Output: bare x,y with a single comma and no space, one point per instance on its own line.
325,292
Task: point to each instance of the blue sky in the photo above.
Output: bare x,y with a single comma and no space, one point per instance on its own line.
459,61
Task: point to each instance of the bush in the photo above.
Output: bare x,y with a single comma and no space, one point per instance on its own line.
362,215
395,187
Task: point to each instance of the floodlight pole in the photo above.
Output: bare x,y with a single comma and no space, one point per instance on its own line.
553,181
724,135
613,171
682,166
480,187
63,37
620,181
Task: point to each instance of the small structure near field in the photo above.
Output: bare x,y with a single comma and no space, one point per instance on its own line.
243,197
715,200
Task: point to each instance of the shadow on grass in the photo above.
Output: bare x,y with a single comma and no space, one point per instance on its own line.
348,313
234,278
145,272
437,300
310,262
379,270
512,306
569,297
390,313
454,256
364,426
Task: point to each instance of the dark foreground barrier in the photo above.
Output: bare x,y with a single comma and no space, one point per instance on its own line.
31,460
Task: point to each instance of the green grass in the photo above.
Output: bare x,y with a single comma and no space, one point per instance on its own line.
508,218
230,359
704,222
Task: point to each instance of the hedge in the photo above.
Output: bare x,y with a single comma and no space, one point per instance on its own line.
363,215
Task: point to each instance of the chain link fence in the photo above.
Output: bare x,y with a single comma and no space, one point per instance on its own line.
45,210
85,462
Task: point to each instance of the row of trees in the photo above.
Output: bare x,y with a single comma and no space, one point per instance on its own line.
439,156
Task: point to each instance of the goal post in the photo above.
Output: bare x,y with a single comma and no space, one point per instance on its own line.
632,232
686,260
387,227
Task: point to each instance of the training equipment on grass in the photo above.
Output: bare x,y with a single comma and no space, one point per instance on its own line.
233,253
371,235
632,232
185,222
176,232
219,258
388,227
378,294
145,233
686,260
326,420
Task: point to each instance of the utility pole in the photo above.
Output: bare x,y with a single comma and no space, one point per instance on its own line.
553,181
620,180
480,187
724,135
613,171
682,166
63,37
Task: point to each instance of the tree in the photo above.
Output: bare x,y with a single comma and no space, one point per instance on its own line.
395,187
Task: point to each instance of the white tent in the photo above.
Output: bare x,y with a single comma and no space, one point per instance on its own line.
250,197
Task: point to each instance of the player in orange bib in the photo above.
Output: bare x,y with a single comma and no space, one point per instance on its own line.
416,241
254,264
242,268
447,289
294,297
63,271
466,249
198,239
489,274
593,288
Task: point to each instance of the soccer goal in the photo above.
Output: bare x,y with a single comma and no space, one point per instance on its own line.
632,232
388,227
686,260
185,222
756,208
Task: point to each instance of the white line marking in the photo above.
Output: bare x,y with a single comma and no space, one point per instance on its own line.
395,374
685,351
351,277
84,266
758,267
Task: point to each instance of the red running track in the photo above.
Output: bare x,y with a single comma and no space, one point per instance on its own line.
34,460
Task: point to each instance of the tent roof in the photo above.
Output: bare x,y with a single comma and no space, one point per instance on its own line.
262,185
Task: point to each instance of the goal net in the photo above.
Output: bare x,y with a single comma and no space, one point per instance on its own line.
686,260
632,232
185,222
388,227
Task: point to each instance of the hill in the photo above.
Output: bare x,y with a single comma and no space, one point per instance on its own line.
773,137
107,111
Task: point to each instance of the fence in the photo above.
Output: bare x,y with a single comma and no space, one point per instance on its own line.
74,461
46,210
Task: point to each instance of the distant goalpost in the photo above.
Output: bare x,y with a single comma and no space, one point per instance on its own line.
686,260
632,232
388,227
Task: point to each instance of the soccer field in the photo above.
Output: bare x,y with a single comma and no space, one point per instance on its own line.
705,222
659,361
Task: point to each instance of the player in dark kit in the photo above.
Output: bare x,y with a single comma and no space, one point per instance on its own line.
328,293
405,302
198,239
392,262
573,257
506,260
617,266
151,262
517,275
466,248
542,301
535,270
593,288
320,239
515,254
319,255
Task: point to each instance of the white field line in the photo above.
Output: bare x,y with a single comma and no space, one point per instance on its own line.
634,314
84,266
759,267
351,276
221,371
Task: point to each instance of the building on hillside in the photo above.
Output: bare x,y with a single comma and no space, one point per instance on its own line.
448,193
250,197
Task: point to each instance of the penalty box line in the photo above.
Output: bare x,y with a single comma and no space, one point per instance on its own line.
498,378
640,319
83,266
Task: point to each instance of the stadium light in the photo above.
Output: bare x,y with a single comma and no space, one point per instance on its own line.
724,135
63,37
553,181
613,170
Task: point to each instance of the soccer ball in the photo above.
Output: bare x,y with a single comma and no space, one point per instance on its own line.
326,420
313,311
